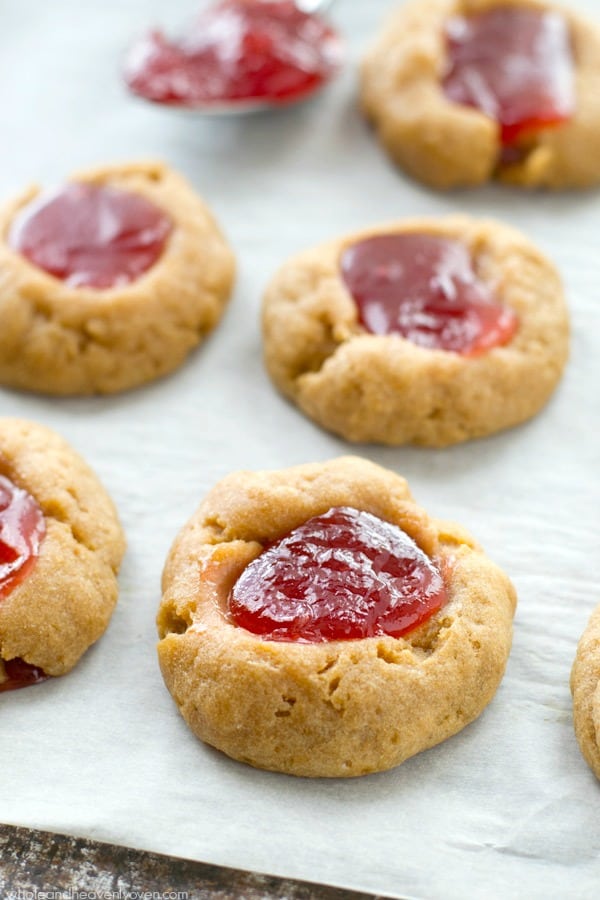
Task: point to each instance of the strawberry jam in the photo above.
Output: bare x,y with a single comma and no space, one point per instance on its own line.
92,236
19,674
513,63
340,576
22,529
424,288
237,50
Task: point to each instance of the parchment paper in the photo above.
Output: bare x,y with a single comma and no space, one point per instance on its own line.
508,808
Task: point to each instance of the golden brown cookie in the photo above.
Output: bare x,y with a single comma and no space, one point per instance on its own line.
57,597
447,144
585,687
61,337
332,707
386,389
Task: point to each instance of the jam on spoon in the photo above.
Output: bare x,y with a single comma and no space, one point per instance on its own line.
343,575
22,530
237,53
515,64
90,235
424,288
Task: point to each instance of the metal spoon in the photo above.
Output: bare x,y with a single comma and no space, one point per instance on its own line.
250,105
311,7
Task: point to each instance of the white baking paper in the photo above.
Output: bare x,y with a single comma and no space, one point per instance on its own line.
506,809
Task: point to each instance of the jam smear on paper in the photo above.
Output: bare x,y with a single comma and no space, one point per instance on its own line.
19,674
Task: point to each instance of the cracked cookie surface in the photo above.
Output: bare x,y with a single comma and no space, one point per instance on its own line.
446,144
384,388
585,687
58,339
338,708
65,602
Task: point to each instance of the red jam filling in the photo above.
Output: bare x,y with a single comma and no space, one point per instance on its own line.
514,64
91,236
237,50
22,529
424,288
340,576
20,674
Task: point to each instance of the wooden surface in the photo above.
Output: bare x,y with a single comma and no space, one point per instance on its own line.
32,862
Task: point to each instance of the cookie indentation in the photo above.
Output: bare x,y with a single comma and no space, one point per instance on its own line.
340,576
91,235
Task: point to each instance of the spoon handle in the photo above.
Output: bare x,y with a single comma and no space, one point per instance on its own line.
314,6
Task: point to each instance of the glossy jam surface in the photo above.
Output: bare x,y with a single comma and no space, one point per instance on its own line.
424,288
91,236
513,63
342,575
22,530
19,674
237,50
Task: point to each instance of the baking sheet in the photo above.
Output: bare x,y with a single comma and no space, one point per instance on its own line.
505,809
